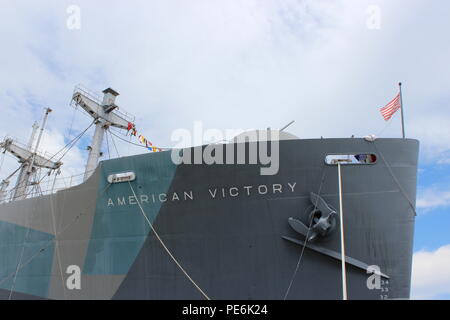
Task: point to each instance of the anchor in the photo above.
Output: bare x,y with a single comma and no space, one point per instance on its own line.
322,220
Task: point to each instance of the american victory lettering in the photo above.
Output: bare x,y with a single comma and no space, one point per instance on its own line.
211,192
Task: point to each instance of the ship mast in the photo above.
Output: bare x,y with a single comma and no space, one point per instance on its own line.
104,117
24,176
30,161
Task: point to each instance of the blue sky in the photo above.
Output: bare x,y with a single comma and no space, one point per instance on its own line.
433,220
244,64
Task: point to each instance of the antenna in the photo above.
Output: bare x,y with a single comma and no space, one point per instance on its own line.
105,114
282,129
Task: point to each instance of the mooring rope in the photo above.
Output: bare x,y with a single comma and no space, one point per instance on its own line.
307,234
165,247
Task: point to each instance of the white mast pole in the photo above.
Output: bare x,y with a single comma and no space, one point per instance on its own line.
103,120
33,135
95,148
47,111
341,217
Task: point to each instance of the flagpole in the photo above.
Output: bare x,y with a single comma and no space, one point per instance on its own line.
401,107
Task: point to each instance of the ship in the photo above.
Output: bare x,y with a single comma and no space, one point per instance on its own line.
335,221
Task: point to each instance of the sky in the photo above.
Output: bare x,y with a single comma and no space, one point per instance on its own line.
328,65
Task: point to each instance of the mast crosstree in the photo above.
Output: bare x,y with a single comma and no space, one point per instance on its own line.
30,161
105,114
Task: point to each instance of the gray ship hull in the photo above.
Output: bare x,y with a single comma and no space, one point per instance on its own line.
226,225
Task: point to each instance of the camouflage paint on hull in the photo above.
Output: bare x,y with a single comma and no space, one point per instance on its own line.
223,223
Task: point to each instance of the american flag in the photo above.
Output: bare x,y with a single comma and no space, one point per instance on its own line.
391,108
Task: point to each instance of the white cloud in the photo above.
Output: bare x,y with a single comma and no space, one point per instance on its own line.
432,198
431,273
236,64
232,64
